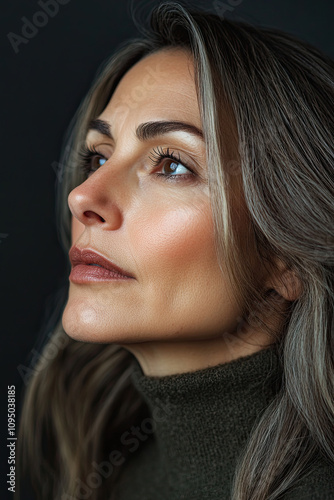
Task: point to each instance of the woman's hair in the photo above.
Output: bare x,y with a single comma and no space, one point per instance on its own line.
278,94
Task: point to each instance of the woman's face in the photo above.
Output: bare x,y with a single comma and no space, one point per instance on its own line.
152,220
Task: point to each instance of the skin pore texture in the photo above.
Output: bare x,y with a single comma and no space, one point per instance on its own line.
173,315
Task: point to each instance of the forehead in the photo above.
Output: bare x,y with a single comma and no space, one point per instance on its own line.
159,86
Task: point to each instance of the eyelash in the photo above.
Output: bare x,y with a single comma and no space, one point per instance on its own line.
86,155
156,157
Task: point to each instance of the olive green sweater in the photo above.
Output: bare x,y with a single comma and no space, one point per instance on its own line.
200,423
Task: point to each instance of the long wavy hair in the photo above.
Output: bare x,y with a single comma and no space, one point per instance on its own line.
279,93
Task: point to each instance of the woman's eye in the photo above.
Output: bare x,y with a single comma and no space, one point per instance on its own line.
95,162
90,160
173,168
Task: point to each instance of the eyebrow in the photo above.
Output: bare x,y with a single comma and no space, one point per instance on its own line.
149,130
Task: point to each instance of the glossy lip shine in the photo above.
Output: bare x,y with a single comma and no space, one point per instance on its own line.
88,266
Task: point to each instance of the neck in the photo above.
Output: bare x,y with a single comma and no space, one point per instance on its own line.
168,358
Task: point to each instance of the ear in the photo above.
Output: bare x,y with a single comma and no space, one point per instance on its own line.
285,282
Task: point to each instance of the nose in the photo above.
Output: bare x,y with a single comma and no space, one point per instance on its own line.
94,201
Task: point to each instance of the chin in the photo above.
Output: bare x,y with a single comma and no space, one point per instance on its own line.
82,323
87,324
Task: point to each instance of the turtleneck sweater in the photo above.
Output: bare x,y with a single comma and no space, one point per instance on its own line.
200,423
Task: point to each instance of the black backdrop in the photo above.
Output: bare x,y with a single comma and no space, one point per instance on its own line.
44,76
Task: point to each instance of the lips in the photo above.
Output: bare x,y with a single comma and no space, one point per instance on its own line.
90,266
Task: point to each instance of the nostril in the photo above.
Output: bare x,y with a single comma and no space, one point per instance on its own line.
93,215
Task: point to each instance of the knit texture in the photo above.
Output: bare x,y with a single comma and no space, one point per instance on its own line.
200,423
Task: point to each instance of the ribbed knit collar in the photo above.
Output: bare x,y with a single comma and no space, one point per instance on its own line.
203,418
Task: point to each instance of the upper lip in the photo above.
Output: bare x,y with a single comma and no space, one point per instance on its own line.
87,256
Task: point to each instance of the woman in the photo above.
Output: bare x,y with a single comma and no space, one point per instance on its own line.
198,360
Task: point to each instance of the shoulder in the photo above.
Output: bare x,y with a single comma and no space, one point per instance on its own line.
316,484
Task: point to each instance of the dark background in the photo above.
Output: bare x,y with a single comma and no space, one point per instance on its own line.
43,84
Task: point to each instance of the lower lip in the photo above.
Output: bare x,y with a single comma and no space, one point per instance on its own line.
85,273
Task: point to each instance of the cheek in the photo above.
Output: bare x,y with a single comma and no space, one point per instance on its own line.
184,286
175,242
77,228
